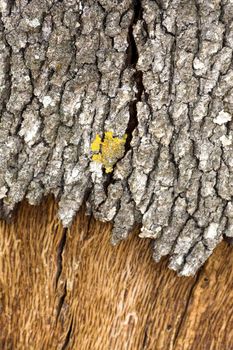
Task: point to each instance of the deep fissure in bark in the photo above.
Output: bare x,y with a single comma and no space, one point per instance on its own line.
132,58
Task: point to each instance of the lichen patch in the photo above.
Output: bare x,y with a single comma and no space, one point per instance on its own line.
109,150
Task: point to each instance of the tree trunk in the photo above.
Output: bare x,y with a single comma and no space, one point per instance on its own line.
127,106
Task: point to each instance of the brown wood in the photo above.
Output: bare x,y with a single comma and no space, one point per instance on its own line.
70,289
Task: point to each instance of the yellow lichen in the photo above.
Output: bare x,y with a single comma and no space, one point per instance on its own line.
95,146
108,150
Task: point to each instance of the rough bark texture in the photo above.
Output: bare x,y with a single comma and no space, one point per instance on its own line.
158,71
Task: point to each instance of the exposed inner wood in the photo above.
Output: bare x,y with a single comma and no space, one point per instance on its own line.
83,293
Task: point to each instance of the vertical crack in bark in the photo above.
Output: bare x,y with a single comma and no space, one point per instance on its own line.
132,58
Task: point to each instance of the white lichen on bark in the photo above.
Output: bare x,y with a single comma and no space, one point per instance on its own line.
160,72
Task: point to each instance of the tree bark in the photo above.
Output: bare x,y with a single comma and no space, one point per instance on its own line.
159,72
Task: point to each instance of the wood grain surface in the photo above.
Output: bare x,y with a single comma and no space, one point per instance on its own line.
70,289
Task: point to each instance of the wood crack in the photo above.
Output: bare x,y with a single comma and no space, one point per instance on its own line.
187,304
60,251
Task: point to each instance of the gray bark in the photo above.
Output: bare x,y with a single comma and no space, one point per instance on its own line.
160,72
